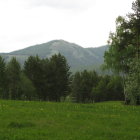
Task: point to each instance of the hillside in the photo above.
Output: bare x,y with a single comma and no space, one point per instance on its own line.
77,56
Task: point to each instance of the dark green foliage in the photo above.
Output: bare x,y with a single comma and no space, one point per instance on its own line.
108,88
27,89
100,92
90,87
59,77
115,88
88,81
49,76
13,76
76,87
43,79
3,80
49,80
34,70
46,79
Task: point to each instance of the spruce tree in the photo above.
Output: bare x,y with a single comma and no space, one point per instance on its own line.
33,68
59,82
13,76
3,80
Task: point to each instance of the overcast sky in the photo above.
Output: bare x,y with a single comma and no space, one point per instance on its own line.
85,22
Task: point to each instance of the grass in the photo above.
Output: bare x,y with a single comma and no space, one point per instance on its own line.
23,120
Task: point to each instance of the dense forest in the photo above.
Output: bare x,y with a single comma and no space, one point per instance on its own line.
50,79
43,79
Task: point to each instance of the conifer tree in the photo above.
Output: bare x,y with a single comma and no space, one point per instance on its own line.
33,68
59,82
13,76
3,80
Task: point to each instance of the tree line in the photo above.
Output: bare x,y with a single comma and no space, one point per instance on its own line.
39,79
88,86
51,80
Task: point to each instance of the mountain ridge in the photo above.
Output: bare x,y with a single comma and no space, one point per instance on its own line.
76,55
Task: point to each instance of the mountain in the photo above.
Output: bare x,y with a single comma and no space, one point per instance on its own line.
77,56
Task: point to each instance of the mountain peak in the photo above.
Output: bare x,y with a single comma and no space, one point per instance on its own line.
76,56
61,42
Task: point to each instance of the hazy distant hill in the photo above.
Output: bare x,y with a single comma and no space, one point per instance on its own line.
77,57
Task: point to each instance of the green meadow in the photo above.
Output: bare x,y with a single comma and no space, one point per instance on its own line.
24,120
